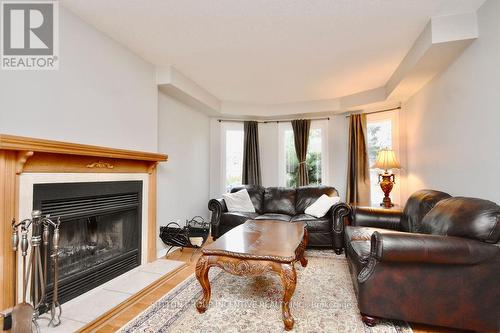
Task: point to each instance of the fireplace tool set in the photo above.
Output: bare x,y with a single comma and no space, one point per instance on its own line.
26,314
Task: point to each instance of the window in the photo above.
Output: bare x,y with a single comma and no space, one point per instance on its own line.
232,152
382,132
316,154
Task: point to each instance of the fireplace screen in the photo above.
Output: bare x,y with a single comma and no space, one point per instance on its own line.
100,233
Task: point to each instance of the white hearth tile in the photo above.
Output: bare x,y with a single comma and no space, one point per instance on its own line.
132,283
161,266
87,307
92,304
67,325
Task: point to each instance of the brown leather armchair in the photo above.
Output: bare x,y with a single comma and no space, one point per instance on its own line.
436,262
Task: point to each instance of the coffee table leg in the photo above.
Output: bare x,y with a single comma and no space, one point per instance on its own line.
202,268
305,240
289,281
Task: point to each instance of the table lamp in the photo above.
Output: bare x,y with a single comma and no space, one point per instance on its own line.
386,160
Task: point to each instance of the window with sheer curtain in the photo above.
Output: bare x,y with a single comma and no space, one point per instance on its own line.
232,153
317,154
381,132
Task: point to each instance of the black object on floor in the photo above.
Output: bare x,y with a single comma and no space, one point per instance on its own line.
173,235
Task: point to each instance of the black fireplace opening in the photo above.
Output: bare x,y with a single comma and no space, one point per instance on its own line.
100,232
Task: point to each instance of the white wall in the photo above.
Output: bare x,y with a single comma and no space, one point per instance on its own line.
183,182
102,93
269,154
452,125
339,141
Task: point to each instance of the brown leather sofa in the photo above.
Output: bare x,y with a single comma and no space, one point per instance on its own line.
278,203
436,262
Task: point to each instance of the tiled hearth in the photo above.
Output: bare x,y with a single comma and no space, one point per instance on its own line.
87,307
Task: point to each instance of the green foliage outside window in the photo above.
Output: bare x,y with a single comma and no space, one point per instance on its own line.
313,160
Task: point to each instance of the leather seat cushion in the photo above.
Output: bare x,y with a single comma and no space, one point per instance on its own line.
314,224
307,195
359,233
353,233
272,216
358,243
360,251
234,219
280,200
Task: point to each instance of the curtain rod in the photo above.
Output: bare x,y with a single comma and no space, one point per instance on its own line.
373,112
267,121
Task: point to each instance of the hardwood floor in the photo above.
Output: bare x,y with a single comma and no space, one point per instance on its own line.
132,308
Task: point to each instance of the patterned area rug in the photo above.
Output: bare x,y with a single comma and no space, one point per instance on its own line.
324,301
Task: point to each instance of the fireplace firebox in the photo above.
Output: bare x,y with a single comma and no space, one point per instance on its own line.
100,233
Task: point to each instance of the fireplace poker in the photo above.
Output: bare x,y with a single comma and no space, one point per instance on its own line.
55,308
38,284
45,240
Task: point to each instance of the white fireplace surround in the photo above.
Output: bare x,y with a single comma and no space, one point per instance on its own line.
27,180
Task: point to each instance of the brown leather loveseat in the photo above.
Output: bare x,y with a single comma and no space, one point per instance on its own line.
436,262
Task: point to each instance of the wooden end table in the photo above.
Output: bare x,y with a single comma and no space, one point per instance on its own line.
256,248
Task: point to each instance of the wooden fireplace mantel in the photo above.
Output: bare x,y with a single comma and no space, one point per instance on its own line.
20,155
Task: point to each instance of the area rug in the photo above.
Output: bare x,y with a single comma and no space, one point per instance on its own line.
324,301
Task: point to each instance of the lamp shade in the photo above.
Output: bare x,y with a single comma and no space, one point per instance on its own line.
386,159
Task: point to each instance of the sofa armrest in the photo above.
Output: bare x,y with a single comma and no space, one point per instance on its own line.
217,207
339,213
432,249
376,217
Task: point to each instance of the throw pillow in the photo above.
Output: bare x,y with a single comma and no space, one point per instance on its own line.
239,202
321,206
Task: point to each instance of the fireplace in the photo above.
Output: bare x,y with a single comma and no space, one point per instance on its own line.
100,233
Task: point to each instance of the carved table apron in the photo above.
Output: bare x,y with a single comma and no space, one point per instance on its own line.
253,262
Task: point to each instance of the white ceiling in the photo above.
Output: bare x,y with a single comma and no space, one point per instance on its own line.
271,52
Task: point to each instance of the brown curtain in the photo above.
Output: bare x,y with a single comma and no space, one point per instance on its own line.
251,158
358,175
301,137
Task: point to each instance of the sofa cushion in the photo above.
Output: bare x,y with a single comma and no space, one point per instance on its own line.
256,193
280,200
357,251
464,217
307,195
417,206
238,201
362,250
273,216
363,233
358,233
358,243
322,206
323,224
234,219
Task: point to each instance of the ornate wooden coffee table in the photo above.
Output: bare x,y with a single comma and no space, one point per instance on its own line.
255,248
